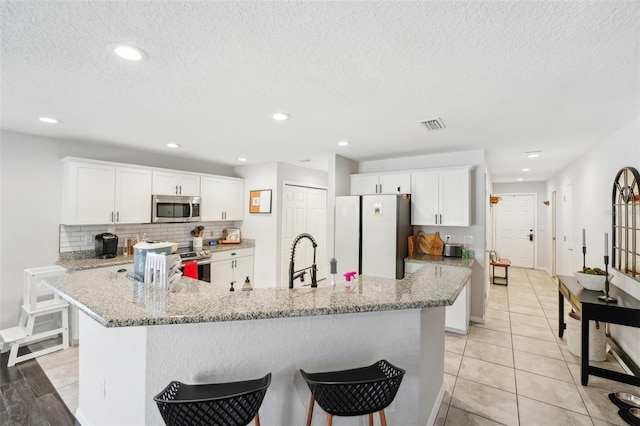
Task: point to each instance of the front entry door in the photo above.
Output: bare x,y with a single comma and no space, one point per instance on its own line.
515,225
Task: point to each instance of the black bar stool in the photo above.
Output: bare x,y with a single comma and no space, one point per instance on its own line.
219,404
354,392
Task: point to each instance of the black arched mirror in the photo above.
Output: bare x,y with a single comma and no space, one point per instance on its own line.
626,222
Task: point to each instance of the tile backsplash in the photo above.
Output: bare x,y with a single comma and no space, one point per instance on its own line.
80,237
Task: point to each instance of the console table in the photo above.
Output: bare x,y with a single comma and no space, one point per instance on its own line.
625,312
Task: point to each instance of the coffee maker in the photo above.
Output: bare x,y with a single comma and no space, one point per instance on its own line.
106,245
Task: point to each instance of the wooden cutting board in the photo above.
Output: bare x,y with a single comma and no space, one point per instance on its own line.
413,246
431,244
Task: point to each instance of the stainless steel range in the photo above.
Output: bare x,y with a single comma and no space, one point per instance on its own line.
202,257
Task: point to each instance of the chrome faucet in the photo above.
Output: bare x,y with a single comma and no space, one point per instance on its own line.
293,274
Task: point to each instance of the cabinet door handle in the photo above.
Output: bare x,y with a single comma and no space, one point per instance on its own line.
435,218
180,189
176,189
111,218
440,218
118,217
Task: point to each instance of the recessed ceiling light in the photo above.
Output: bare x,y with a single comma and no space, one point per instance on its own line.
242,159
49,120
525,170
519,179
126,51
173,145
532,154
281,116
344,143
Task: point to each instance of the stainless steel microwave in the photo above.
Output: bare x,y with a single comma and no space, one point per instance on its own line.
175,208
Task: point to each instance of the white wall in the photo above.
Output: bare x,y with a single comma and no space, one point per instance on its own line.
31,200
592,177
340,170
266,229
543,231
479,200
262,227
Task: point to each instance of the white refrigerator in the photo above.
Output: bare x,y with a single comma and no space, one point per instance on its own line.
371,235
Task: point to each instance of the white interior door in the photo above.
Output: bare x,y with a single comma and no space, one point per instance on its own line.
317,227
554,232
304,210
567,230
515,224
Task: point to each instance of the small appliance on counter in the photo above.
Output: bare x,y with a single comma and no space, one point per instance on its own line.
452,250
106,245
140,252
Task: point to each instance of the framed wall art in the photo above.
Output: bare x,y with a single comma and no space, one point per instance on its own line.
260,201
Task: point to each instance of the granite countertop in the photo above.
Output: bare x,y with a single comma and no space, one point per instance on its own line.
440,260
114,300
92,262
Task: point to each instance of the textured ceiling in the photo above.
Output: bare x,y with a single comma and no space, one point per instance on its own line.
507,77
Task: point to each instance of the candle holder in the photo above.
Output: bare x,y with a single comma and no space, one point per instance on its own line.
606,298
584,255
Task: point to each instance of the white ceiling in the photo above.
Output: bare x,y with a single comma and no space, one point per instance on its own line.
507,77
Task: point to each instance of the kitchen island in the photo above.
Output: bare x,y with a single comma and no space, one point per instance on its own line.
136,339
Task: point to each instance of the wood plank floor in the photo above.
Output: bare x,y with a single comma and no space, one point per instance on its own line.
27,397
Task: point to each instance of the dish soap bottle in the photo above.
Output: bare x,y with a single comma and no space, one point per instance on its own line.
247,285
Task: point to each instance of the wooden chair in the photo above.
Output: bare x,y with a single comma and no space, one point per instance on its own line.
354,392
503,263
38,301
220,404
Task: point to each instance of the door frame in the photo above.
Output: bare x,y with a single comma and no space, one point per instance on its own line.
554,233
535,222
281,225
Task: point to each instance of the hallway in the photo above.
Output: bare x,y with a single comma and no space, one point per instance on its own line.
514,370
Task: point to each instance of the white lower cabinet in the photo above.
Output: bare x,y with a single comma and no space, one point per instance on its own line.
232,266
458,315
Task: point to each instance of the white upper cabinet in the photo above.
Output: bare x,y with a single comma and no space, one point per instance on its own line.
170,183
133,195
386,183
441,197
95,193
222,198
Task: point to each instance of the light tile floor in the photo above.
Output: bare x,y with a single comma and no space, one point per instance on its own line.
515,370
511,370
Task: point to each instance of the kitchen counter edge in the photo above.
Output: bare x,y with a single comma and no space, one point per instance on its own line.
93,263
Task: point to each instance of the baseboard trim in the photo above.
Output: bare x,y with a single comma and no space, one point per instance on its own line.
436,407
478,320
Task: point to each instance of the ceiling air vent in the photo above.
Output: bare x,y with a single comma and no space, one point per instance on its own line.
435,124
